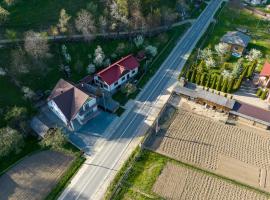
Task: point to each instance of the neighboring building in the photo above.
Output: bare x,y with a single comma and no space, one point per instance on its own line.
114,76
237,42
256,2
251,115
264,78
71,104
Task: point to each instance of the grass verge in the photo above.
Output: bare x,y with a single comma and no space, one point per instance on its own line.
145,171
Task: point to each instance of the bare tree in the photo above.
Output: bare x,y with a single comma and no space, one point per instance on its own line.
3,14
36,44
85,23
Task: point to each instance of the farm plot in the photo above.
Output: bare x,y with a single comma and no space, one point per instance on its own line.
35,176
209,145
178,182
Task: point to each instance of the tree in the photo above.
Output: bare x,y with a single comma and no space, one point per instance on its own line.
219,83
119,11
202,80
36,44
205,54
85,24
224,85
254,54
222,50
259,92
19,63
63,21
99,56
151,50
201,67
3,14
54,139
210,63
93,8
237,70
129,89
91,68
138,40
103,23
214,82
264,94
198,78
251,68
11,35
193,76
230,85
10,141
188,74
208,80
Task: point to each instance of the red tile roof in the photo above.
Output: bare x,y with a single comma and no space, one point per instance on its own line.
266,69
114,72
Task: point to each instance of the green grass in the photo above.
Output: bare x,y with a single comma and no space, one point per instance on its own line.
145,171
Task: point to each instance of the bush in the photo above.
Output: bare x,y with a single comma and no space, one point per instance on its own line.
259,92
202,80
264,94
188,74
224,85
193,76
10,141
54,139
208,80
219,82
251,69
198,78
230,85
214,82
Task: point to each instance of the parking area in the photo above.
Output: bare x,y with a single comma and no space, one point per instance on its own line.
86,136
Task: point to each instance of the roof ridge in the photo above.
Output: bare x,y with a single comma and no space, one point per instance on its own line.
115,63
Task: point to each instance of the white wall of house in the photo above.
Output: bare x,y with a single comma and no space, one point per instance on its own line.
52,105
118,83
91,103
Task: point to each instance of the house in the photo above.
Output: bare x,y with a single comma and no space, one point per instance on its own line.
256,2
70,104
237,42
264,77
115,75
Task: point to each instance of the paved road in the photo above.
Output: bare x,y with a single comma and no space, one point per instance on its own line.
88,182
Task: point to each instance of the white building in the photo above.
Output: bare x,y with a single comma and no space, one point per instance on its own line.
256,2
112,77
71,104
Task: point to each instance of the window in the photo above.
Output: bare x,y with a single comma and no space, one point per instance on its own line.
115,84
134,71
123,78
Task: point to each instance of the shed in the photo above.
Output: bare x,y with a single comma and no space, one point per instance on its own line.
39,127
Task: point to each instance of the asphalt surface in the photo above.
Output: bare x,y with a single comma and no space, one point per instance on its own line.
105,161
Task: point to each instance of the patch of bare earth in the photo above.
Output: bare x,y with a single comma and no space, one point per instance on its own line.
237,153
180,183
35,176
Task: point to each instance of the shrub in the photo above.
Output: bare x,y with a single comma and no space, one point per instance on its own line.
230,85
198,78
208,80
251,69
219,83
264,94
224,85
202,80
54,139
188,74
214,82
193,76
10,141
259,92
